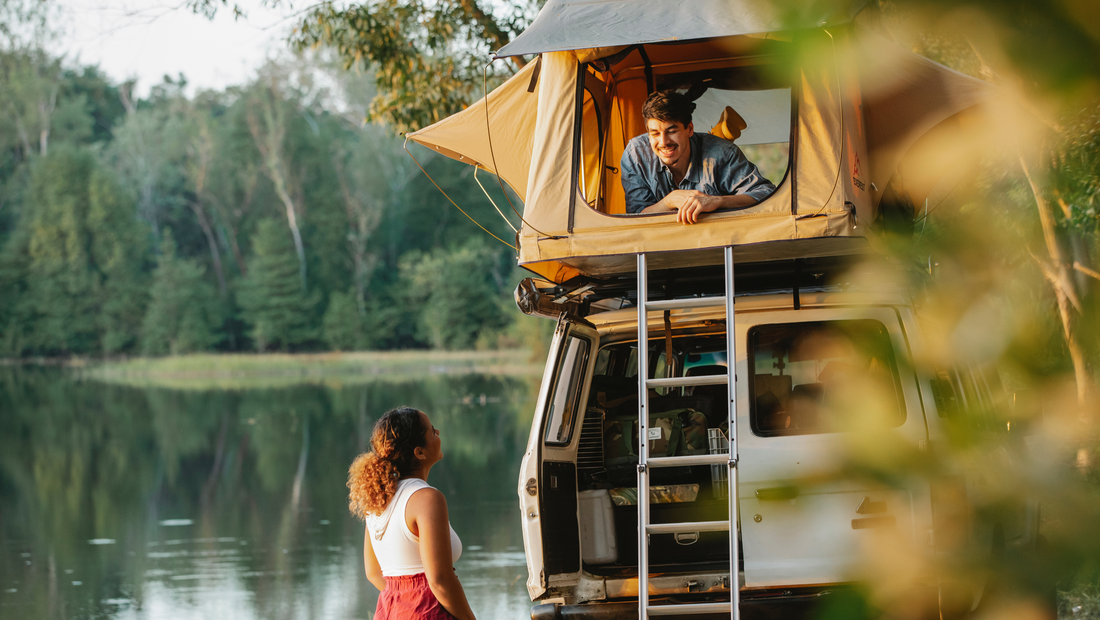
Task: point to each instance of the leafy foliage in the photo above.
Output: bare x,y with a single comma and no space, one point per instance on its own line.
83,255
428,56
280,312
183,314
455,294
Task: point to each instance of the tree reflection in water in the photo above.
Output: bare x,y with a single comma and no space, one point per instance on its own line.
146,503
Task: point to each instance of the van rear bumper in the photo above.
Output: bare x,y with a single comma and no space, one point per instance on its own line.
771,607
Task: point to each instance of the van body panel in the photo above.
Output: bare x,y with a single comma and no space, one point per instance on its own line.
817,536
551,531
530,471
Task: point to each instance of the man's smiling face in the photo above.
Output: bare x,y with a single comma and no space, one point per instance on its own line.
670,141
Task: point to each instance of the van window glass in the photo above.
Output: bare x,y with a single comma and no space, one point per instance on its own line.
707,358
567,390
603,360
822,377
973,395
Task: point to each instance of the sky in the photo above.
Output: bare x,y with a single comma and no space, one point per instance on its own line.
147,39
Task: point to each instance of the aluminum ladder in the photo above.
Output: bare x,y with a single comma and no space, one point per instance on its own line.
645,462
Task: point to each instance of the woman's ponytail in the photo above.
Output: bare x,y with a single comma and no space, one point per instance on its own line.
373,476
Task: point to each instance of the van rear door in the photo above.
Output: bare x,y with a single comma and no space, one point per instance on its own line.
814,376
548,471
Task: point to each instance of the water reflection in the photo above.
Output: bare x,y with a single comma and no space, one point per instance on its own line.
119,502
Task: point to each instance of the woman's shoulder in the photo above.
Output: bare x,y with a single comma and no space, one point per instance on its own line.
426,497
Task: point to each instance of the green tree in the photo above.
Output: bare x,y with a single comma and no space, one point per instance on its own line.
183,314
280,313
119,249
85,258
342,324
452,294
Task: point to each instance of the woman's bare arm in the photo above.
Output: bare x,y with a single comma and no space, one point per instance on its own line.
426,514
370,561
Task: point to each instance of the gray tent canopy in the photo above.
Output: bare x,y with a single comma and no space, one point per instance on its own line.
583,24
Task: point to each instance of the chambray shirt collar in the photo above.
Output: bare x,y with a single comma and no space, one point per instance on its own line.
695,166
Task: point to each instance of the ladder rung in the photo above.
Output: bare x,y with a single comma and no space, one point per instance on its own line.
688,526
689,459
681,304
686,381
688,608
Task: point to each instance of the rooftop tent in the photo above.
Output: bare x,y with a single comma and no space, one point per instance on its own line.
830,135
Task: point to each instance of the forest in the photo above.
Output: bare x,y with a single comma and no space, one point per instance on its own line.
267,216
284,213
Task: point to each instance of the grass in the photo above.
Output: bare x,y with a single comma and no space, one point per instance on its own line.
272,370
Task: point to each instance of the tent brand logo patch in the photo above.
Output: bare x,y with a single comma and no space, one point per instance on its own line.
856,175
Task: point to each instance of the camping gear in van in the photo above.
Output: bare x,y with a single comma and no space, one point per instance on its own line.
671,433
662,494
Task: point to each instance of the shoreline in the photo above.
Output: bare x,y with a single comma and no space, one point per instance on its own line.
263,370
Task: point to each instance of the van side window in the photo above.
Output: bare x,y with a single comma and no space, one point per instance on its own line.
822,377
972,394
567,391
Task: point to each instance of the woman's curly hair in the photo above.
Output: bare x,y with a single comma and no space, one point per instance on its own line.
373,475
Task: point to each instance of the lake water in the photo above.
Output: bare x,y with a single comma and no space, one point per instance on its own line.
148,503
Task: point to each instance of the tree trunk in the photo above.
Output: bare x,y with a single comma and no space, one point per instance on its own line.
268,141
292,221
45,110
231,233
1058,275
211,241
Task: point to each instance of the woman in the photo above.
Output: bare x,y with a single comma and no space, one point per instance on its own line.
409,548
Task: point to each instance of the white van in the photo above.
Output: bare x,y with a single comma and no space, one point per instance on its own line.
814,360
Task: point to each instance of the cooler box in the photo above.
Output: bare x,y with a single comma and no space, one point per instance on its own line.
597,527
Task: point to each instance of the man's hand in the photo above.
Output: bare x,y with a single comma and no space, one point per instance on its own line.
689,204
693,203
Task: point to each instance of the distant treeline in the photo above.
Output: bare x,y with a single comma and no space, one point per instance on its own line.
267,216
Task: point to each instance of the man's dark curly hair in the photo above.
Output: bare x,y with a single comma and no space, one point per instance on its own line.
668,106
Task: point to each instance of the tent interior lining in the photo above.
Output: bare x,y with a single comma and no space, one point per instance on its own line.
742,72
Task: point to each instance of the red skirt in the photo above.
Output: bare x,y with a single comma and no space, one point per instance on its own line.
408,597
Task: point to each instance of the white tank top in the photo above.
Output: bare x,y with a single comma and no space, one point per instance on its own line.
395,546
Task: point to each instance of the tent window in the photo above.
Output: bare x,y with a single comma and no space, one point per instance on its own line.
715,78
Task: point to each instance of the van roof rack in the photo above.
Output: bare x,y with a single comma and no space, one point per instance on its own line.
576,296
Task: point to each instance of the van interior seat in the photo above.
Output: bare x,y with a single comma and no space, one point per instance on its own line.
805,405
716,395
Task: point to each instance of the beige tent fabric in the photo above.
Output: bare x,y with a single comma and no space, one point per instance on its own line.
511,130
549,181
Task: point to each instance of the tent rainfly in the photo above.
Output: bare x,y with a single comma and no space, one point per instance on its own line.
832,109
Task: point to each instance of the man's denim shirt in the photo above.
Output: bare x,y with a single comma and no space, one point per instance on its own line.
718,168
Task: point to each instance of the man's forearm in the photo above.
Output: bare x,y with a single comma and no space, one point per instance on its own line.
735,201
660,207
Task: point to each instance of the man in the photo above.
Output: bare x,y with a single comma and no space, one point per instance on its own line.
672,168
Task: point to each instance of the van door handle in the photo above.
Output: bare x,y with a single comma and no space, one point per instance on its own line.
772,494
686,538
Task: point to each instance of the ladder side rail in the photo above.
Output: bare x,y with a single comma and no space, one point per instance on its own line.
731,367
643,440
